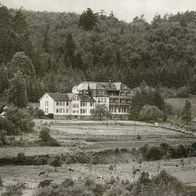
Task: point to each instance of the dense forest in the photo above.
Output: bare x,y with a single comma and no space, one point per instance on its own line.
47,51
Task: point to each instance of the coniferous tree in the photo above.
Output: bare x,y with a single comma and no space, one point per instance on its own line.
17,93
3,79
23,63
70,50
7,45
19,23
88,20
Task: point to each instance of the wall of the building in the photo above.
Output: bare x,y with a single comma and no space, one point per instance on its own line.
86,107
62,108
102,101
47,104
75,105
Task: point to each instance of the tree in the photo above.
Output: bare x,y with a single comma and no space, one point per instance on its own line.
22,63
19,23
3,79
100,112
88,20
150,113
7,45
17,121
56,162
46,138
146,95
186,112
70,51
17,93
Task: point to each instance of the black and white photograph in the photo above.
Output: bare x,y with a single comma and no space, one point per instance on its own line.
97,97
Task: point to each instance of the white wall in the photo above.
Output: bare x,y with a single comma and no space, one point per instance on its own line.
47,104
65,109
103,101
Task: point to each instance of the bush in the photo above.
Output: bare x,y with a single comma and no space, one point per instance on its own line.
20,159
14,190
151,113
183,92
181,151
56,162
50,116
153,154
17,121
46,139
1,182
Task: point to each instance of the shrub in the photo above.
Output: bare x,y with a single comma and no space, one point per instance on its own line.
1,182
21,158
181,151
150,113
44,183
56,162
46,138
183,92
14,190
153,154
138,137
37,113
17,121
50,116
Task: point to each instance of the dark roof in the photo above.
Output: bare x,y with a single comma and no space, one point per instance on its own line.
86,98
59,96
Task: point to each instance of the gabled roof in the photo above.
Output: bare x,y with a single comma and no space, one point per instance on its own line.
86,98
91,85
108,86
70,96
59,96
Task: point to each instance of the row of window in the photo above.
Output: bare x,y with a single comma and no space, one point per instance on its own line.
75,105
62,111
118,110
62,103
125,94
102,100
84,111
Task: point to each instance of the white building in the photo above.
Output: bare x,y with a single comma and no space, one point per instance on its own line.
85,96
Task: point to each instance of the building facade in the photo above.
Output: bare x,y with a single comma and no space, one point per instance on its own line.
116,96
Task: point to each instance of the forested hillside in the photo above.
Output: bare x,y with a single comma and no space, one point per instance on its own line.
62,49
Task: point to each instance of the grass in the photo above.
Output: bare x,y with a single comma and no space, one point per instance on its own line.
178,103
95,137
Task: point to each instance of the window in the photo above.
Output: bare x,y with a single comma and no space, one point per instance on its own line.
83,103
98,100
46,110
46,103
123,93
67,111
91,104
67,103
57,111
83,111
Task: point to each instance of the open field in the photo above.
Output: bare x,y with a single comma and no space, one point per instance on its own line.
178,103
98,136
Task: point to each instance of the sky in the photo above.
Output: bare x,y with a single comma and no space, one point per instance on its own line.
123,9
